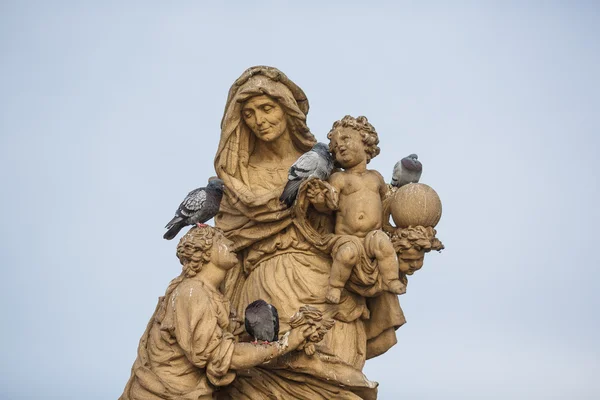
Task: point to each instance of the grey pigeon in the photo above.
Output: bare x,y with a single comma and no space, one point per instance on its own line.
408,170
317,162
262,321
199,206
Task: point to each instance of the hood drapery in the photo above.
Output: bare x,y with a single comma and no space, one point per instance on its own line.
237,140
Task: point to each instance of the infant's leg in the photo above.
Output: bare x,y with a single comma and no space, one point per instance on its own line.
344,260
387,261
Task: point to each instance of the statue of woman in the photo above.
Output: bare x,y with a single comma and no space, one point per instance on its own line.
263,131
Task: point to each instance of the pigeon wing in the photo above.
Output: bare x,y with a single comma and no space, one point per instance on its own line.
192,203
323,168
304,166
396,173
248,327
251,319
275,316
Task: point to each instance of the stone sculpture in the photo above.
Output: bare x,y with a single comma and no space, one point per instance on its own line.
285,255
359,208
189,349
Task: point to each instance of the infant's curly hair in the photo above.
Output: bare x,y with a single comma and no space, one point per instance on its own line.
194,249
366,130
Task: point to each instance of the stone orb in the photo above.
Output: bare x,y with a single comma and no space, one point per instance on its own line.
416,204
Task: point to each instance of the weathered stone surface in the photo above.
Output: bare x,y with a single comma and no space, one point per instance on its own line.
328,261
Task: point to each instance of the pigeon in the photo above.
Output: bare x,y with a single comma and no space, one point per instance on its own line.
408,170
262,321
317,162
199,206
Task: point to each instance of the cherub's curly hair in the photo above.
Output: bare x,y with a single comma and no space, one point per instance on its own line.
417,237
194,249
366,130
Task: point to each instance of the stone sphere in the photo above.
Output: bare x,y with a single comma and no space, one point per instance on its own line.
416,204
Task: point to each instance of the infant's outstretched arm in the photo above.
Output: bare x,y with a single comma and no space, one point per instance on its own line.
324,196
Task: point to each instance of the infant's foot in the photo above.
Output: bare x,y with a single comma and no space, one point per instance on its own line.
396,287
333,295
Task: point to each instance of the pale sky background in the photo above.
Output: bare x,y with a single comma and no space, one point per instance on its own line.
110,112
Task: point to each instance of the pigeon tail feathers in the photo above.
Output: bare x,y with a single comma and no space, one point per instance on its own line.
174,230
172,222
290,192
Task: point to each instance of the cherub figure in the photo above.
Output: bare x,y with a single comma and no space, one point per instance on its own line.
353,143
412,243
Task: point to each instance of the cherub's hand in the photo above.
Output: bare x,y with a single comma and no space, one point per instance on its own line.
316,192
320,195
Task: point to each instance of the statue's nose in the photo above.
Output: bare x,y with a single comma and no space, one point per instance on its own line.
260,119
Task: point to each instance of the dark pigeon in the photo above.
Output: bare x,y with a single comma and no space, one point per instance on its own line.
317,162
262,321
199,206
408,170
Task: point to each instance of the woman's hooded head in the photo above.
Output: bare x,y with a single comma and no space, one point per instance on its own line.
237,140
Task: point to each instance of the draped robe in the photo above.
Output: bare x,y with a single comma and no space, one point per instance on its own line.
186,350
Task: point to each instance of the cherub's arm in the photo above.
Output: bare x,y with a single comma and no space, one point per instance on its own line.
324,196
383,188
337,181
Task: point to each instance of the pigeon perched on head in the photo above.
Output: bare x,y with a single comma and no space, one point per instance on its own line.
262,321
408,170
199,206
317,162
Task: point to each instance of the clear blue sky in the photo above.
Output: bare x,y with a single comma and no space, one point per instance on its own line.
110,112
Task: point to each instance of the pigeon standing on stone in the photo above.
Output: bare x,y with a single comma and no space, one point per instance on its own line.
199,206
262,321
317,162
408,170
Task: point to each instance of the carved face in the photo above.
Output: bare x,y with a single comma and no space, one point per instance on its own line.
410,261
221,254
347,147
265,118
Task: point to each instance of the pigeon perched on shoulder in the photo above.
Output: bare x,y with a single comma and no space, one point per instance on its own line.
199,206
262,321
317,162
408,170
